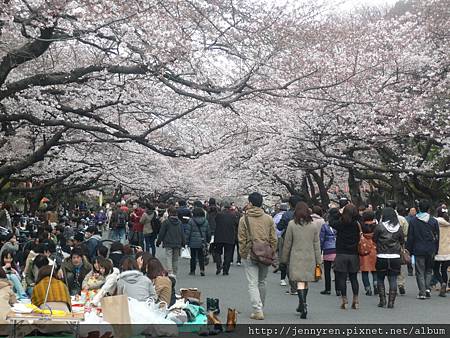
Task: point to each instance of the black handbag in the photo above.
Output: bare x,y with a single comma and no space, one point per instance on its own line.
204,247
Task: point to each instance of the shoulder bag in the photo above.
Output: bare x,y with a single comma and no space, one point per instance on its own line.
261,251
365,245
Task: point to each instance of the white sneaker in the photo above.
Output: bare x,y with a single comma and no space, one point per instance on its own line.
283,282
238,264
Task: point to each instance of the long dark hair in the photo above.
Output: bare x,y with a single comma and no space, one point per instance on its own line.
389,215
302,213
350,214
154,268
146,256
441,212
7,253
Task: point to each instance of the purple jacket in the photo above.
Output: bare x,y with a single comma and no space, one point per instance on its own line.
327,239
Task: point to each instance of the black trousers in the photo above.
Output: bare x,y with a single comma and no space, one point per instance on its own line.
327,272
197,254
227,251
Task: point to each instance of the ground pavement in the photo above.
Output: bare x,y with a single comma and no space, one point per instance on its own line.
280,308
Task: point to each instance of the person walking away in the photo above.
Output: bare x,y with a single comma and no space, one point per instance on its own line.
183,213
136,235
282,226
92,241
172,237
367,262
261,228
225,234
301,250
389,239
119,222
5,217
442,259
347,256
328,246
404,225
423,243
147,220
276,219
197,236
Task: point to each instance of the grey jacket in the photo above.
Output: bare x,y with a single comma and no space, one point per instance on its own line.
135,285
193,237
171,233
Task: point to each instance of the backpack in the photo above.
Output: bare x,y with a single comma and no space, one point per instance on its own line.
156,224
122,219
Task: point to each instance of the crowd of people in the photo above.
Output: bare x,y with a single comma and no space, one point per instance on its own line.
73,257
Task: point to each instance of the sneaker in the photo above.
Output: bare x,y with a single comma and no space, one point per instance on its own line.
421,297
238,263
283,282
428,293
289,292
401,290
325,292
259,315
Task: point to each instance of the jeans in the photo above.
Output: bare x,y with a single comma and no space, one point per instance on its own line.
401,278
137,238
172,255
17,285
381,275
366,281
118,234
256,276
150,243
424,271
440,271
197,254
238,259
227,250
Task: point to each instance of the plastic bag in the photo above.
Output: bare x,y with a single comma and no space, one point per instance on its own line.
186,252
150,318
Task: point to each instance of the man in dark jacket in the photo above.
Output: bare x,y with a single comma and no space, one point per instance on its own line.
423,243
282,226
183,213
171,235
226,224
74,269
93,240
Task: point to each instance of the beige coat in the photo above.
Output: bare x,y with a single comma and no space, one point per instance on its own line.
262,228
444,240
301,250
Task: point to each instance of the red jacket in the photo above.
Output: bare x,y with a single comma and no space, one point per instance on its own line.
135,218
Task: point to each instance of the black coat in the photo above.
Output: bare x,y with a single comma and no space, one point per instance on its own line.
226,225
423,238
388,242
347,236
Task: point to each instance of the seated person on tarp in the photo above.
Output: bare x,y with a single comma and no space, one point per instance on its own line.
103,278
32,271
133,283
164,285
8,266
74,269
58,295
